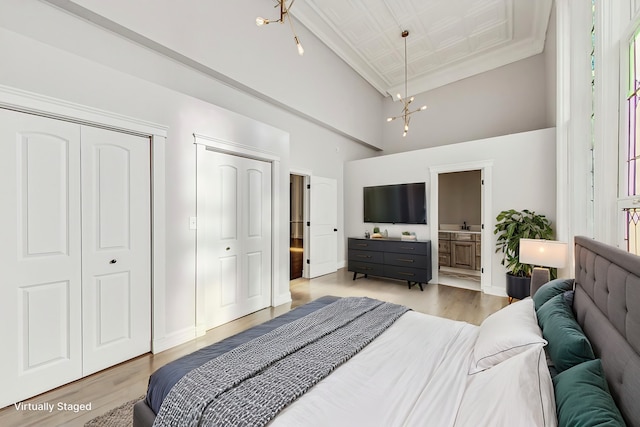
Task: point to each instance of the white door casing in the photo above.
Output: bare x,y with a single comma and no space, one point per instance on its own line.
323,219
234,235
40,255
116,241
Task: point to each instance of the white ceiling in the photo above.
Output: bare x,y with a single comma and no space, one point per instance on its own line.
448,40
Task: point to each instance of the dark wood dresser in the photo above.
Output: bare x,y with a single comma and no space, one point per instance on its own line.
392,258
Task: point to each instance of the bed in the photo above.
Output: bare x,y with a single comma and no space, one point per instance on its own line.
359,361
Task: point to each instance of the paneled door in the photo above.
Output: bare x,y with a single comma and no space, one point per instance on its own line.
234,235
323,231
75,293
40,255
116,242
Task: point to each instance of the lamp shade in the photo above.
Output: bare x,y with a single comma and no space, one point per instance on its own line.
544,253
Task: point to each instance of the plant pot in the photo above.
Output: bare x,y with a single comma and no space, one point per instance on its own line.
518,287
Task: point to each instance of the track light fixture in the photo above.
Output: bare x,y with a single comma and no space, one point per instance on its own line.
406,114
284,14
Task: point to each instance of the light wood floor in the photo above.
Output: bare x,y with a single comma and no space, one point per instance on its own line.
126,381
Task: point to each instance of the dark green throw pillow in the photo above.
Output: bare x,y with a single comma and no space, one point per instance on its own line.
568,345
550,290
583,398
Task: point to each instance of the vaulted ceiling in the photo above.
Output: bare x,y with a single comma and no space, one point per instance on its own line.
448,40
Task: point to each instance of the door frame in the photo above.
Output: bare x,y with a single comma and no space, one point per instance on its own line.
306,174
236,149
485,168
41,105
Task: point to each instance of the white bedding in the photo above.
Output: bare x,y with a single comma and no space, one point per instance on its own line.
409,374
416,374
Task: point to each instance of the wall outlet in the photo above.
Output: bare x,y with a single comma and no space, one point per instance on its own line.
193,223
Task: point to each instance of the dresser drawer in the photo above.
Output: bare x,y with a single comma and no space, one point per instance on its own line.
409,260
366,256
418,248
407,273
444,236
365,268
366,244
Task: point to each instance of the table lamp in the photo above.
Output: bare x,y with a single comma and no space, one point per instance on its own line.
542,254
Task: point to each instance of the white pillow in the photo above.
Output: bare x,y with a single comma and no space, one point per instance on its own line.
506,333
517,392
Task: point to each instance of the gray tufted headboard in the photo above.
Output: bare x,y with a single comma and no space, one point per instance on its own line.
607,306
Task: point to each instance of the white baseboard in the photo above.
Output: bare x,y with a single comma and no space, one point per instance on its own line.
173,339
281,299
494,290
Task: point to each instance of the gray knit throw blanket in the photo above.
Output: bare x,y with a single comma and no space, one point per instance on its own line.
250,384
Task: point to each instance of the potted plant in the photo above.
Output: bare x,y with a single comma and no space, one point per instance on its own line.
510,227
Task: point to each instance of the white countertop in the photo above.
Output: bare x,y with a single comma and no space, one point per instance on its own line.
460,231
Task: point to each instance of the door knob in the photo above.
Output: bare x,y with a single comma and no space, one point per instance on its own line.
113,261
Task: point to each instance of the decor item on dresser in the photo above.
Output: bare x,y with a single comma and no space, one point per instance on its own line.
406,235
510,381
510,227
392,258
541,254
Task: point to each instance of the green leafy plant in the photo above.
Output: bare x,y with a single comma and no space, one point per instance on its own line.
514,225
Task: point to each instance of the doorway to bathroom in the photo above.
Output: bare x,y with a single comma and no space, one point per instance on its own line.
460,228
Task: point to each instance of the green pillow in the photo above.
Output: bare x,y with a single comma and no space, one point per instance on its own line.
550,290
583,398
568,345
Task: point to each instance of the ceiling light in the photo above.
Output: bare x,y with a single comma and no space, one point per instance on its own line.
406,114
284,14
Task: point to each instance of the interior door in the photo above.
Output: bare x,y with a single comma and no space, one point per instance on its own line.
323,223
116,242
234,235
40,256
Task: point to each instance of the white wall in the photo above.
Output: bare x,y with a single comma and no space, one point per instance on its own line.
550,52
507,100
222,38
523,177
49,52
460,198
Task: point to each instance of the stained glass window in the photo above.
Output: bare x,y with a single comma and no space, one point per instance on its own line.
633,86
630,187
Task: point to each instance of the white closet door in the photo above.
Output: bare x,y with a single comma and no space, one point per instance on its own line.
40,255
323,231
116,241
234,235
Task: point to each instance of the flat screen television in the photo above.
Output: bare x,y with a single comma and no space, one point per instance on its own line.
396,204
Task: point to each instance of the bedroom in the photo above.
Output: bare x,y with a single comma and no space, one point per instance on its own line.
110,73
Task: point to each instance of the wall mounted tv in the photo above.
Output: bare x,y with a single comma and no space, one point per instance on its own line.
395,204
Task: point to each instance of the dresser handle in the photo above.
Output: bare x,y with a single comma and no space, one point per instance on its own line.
364,256
405,260
408,247
406,274
362,244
